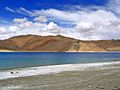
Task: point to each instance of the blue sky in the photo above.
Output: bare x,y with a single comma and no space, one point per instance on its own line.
81,19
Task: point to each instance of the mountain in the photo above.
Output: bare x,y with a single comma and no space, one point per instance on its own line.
57,44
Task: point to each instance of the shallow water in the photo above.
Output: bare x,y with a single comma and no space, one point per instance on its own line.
27,59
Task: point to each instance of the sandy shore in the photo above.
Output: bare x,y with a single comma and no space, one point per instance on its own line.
94,76
6,51
58,52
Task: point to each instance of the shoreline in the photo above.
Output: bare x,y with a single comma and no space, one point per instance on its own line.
52,69
94,76
59,52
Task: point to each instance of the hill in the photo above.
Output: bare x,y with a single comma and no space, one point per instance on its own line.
57,44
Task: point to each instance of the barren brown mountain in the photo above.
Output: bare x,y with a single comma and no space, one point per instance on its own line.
57,44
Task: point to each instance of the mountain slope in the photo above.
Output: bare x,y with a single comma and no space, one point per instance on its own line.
57,44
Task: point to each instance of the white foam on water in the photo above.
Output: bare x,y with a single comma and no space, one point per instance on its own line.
43,70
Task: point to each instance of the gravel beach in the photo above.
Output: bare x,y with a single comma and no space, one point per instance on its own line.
106,77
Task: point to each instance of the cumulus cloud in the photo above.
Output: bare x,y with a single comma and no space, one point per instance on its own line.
22,26
84,27
20,20
52,26
13,28
88,25
3,30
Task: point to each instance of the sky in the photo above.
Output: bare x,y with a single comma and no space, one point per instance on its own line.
79,19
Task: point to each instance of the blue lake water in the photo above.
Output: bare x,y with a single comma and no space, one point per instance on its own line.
27,59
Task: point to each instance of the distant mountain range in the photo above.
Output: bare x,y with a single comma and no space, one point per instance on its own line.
57,44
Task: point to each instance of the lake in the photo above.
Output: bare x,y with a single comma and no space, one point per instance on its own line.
10,60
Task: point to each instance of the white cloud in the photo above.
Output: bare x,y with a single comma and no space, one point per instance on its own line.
87,24
63,15
26,12
99,24
84,27
3,30
114,5
22,26
13,28
52,26
20,20
9,9
40,19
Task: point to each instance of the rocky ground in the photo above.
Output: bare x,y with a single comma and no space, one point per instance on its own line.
105,78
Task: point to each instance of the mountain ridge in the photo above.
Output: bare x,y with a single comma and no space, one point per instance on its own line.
57,43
